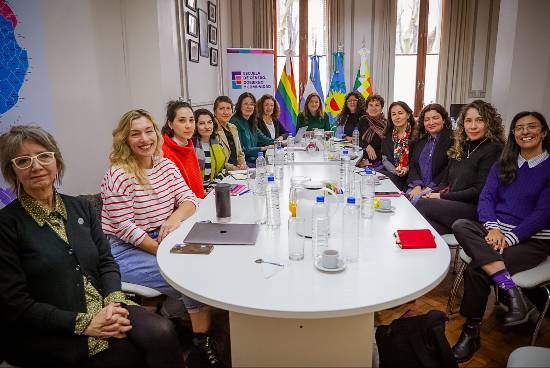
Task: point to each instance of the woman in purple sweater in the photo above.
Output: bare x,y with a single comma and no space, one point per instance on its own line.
514,230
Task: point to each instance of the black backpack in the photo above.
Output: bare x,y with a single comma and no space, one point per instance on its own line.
415,342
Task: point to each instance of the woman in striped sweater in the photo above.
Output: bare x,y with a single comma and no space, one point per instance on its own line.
144,199
513,234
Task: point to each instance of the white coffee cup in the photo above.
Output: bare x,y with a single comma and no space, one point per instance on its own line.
385,204
329,258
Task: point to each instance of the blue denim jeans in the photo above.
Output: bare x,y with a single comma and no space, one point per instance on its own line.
141,268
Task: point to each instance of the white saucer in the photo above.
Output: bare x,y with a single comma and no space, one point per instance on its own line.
341,266
390,210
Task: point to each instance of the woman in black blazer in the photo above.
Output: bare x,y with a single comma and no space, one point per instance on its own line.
268,118
60,298
432,140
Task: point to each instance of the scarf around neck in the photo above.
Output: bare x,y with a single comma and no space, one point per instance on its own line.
401,147
377,125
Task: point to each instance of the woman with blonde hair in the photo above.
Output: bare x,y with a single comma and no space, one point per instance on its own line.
478,142
144,199
313,116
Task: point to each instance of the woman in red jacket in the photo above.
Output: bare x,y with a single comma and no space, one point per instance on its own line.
178,147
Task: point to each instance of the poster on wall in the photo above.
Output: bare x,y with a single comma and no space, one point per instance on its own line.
24,92
250,70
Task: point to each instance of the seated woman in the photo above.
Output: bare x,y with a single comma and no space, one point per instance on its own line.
513,234
313,116
478,142
371,140
268,118
432,139
228,134
209,151
144,199
60,298
351,117
178,147
252,139
396,144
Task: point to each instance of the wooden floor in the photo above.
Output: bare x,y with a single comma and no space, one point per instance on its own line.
497,342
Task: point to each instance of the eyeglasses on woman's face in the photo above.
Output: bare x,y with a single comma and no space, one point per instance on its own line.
43,158
529,128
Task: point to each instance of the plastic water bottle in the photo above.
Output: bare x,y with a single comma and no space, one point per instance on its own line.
272,199
367,194
290,148
350,230
279,161
320,227
355,138
260,173
344,172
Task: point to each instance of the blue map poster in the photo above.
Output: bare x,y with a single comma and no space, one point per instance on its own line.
24,92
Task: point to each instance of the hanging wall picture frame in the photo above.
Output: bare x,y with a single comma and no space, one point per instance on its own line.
192,25
213,56
191,4
193,49
212,34
203,33
212,12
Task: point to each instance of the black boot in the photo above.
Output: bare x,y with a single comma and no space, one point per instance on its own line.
519,308
468,343
203,354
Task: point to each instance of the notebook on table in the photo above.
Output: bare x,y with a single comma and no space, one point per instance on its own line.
222,234
415,239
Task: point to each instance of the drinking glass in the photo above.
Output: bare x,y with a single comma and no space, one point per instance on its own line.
251,178
295,240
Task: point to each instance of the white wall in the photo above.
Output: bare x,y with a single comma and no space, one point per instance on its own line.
522,62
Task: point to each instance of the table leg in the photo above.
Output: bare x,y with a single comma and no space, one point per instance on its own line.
285,342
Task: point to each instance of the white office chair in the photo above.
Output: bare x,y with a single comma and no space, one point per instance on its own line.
529,356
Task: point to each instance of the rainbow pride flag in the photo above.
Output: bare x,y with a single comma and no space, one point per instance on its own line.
287,98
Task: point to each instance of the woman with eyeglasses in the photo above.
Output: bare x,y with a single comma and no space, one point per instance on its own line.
352,116
61,303
145,198
209,151
432,139
313,116
513,232
478,142
268,118
178,146
252,139
228,134
397,143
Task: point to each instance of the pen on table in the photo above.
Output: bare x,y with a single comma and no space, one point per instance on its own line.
246,191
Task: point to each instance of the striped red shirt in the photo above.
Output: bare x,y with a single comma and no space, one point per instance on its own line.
130,210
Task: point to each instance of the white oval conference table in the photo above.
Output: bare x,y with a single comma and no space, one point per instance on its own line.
296,315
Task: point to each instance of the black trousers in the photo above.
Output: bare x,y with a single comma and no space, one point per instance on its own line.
399,181
152,342
442,213
477,284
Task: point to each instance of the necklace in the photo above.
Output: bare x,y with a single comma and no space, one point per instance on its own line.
480,143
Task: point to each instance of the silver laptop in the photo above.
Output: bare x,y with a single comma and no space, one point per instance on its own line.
300,134
222,234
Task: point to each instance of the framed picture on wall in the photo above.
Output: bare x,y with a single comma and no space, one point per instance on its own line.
212,34
203,35
212,12
191,4
213,56
193,51
192,26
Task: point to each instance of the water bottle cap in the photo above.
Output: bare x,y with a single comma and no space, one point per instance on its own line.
369,171
351,200
260,154
345,152
355,129
320,199
270,178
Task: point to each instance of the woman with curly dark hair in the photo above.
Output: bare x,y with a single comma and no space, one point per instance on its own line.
396,144
513,232
268,118
371,140
478,141
432,139
351,116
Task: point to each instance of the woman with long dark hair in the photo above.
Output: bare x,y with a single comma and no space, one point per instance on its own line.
397,143
351,116
432,139
478,141
513,232
252,139
268,118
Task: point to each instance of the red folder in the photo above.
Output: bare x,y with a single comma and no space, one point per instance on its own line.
415,239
